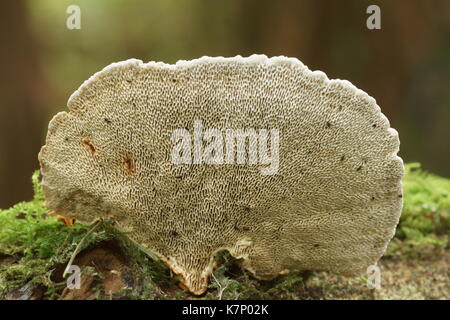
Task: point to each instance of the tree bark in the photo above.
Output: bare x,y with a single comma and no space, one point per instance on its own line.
22,102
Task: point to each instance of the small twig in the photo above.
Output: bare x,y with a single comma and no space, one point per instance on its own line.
220,289
78,248
144,250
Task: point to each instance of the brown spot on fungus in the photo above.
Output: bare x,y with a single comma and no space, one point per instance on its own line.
129,167
88,145
278,233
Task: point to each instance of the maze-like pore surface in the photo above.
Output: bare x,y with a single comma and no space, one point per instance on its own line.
333,204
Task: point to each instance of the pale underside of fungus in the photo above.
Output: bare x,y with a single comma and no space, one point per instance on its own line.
332,203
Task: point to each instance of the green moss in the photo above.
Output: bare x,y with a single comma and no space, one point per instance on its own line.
35,240
425,219
36,243
427,203
230,282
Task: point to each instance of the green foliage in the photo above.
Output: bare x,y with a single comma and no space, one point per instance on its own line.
28,230
37,188
425,219
36,240
427,203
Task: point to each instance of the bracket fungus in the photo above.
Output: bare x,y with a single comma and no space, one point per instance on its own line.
332,203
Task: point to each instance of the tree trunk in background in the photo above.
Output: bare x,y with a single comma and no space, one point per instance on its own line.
21,104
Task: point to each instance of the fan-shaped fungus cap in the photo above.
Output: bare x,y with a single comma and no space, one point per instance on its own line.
330,201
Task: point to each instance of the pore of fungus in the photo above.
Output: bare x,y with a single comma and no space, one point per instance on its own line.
332,201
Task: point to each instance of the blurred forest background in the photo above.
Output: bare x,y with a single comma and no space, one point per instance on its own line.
405,65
